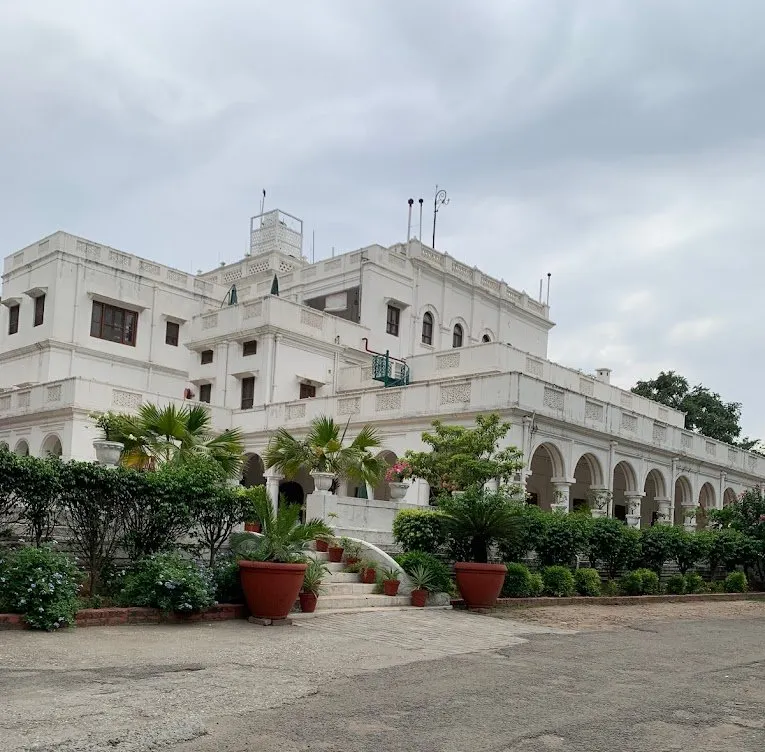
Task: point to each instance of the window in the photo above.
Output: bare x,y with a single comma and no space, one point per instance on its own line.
113,324
39,309
248,392
486,338
307,391
457,336
205,392
250,348
394,314
207,357
427,329
13,319
171,333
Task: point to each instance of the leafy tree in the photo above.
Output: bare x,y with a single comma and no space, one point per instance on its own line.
705,411
10,473
463,458
532,524
324,450
37,493
172,435
658,546
689,549
563,537
613,544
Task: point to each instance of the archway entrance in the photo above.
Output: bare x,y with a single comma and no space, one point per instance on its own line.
706,504
382,489
253,471
625,482
546,464
729,497
683,497
51,447
654,488
588,475
22,448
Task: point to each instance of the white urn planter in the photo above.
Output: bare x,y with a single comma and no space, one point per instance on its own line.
398,490
108,452
322,482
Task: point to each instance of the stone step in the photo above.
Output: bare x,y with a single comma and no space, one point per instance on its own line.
336,602
328,612
347,588
342,577
318,555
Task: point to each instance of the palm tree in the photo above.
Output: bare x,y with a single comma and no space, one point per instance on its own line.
156,436
323,450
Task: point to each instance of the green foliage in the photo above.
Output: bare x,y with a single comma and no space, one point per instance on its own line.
314,576
10,473
610,588
169,582
694,583
536,585
640,582
36,490
736,582
587,581
40,584
419,530
465,458
442,580
531,527
727,549
226,580
324,450
250,495
658,545
477,519
390,574
563,537
517,582
704,410
676,585
558,581
283,537
689,549
613,544
422,578
351,548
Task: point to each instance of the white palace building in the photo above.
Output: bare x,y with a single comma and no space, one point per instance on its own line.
392,336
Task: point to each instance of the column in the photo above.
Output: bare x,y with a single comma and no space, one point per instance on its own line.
561,500
632,501
665,511
272,487
689,516
599,498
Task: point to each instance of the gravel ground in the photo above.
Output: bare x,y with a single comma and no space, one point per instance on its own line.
613,617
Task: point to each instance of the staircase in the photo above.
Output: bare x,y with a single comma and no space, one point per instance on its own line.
343,591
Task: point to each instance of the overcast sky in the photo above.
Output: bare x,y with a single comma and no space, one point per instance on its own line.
618,145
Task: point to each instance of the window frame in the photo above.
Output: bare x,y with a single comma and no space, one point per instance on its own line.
205,388
168,340
39,310
308,388
249,382
206,357
14,314
427,323
458,336
254,348
393,321
126,315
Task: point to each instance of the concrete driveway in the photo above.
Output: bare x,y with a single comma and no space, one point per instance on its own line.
432,680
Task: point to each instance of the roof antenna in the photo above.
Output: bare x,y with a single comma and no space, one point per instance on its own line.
263,202
420,235
540,290
548,288
409,222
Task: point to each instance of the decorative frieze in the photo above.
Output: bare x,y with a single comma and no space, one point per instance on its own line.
711,448
5,402
659,433
127,400
553,398
120,259
232,275
388,400
147,267
593,411
449,360
686,441
178,277
22,399
295,412
210,321
258,267
629,422
53,393
454,394
534,367
349,405
586,387
311,318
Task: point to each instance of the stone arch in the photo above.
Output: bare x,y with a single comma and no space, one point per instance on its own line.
22,448
382,489
253,471
707,502
654,487
729,496
588,475
51,446
625,480
683,495
546,464
487,336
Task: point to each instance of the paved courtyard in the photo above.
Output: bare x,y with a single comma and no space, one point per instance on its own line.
413,680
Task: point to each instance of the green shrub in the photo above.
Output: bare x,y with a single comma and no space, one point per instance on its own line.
517,582
640,582
690,548
563,537
658,545
42,585
676,584
531,525
228,586
717,586
442,580
610,588
694,583
651,584
169,582
558,581
536,585
736,582
419,530
587,581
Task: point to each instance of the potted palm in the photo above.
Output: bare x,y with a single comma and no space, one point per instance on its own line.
335,550
368,571
250,493
390,580
326,455
351,551
312,579
422,580
272,565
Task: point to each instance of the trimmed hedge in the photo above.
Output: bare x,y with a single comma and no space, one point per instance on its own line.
587,582
558,581
442,580
517,582
419,530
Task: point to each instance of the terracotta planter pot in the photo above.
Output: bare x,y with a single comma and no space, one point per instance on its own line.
390,587
321,545
335,554
419,598
308,602
351,560
479,584
252,527
271,589
368,576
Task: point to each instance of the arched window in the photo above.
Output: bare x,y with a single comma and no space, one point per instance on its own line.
427,329
486,338
457,336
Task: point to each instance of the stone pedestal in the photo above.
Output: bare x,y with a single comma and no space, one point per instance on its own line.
633,503
561,499
689,517
665,511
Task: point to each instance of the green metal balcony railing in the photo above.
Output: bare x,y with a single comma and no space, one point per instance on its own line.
390,371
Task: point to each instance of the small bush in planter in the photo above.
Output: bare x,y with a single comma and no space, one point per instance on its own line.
368,571
694,583
312,585
676,585
228,587
640,582
736,582
441,572
587,582
351,550
517,582
422,583
558,581
335,550
169,582
42,585
390,581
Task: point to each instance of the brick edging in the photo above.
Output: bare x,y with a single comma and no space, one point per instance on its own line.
107,617
619,600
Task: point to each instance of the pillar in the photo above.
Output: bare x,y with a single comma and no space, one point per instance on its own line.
632,500
561,501
272,487
665,511
599,498
689,516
